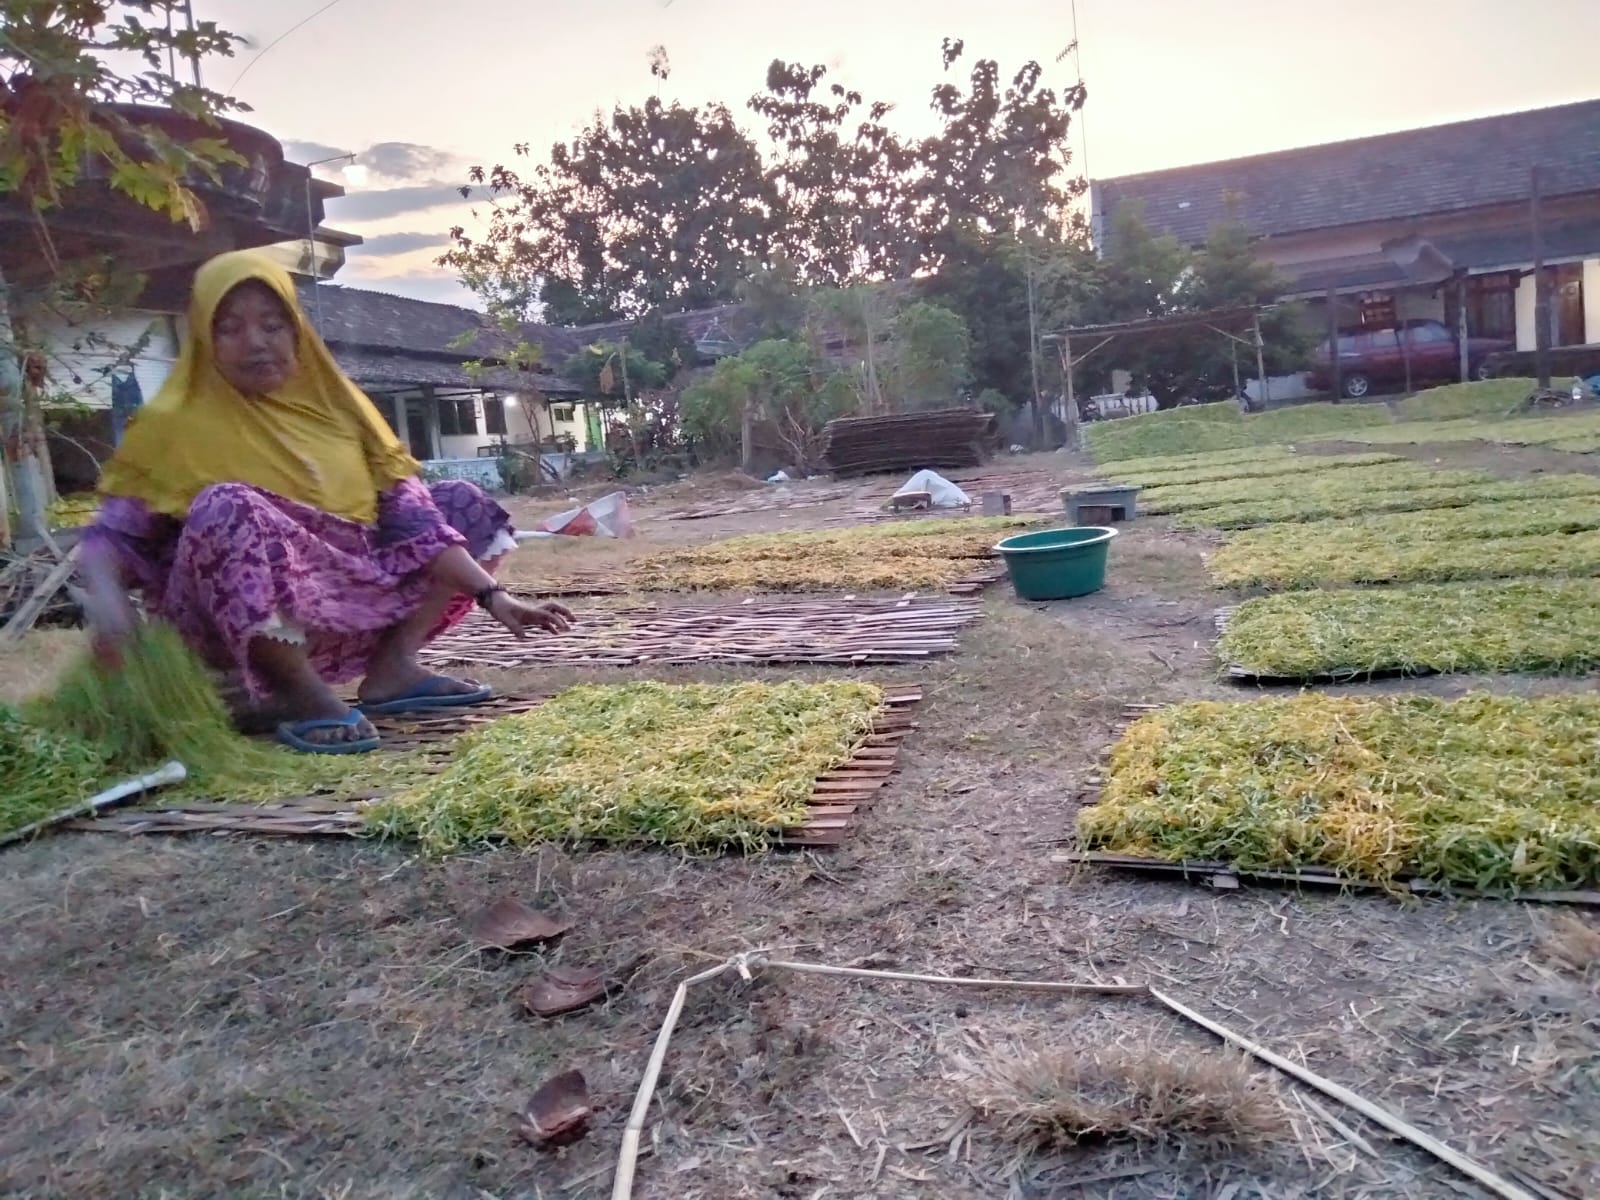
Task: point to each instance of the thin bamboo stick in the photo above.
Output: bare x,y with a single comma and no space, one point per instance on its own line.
1394,1124
172,772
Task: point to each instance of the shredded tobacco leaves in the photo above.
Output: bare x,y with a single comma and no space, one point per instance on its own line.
1521,625
1209,427
1126,467
1277,556
1331,560
1516,431
1310,504
160,705
42,771
1494,792
1261,466
928,553
1350,484
694,767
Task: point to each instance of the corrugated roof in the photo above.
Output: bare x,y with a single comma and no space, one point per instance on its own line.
1440,169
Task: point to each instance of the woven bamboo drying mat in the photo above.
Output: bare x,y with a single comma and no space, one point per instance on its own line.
837,797
1228,876
840,631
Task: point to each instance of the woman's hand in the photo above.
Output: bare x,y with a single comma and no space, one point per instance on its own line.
107,610
519,616
111,622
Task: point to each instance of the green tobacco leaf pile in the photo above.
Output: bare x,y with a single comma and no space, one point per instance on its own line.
693,766
1494,792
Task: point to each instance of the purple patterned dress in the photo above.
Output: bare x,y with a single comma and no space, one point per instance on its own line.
247,563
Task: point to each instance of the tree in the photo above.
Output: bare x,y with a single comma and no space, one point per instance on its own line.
610,376
999,162
659,207
845,208
780,381
62,80
665,207
932,356
1148,276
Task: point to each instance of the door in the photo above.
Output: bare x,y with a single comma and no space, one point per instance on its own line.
1566,305
418,435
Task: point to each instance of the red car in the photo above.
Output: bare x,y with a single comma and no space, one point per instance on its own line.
1368,357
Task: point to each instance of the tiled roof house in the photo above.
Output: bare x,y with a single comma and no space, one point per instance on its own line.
1413,224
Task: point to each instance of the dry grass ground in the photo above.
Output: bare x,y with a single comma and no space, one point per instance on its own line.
243,1018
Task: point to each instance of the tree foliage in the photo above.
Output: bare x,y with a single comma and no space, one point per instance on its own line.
783,383
656,207
61,84
1153,276
662,207
65,90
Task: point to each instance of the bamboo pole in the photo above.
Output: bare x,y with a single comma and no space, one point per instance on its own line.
171,773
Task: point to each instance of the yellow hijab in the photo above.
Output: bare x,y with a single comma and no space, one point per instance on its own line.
317,440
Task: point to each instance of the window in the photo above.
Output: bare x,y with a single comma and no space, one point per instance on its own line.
494,416
458,417
561,412
1428,333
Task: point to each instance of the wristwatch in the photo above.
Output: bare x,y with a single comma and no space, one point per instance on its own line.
486,596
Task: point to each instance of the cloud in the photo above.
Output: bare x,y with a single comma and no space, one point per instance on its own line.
406,160
437,286
304,152
388,244
383,203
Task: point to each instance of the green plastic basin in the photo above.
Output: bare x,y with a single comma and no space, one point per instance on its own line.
1057,564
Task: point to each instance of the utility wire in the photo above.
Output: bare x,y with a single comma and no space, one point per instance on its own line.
295,28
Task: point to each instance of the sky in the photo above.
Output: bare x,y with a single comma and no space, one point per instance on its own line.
422,90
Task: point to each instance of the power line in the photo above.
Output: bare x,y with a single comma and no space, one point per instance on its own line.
298,25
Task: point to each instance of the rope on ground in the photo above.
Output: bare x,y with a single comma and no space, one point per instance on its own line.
747,963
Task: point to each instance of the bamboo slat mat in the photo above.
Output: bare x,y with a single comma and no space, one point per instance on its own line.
847,631
1225,876
837,797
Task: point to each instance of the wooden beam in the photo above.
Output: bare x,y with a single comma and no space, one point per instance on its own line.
22,620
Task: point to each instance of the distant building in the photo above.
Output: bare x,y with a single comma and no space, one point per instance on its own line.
1426,223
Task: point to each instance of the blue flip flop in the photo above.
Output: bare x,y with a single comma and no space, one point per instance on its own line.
293,735
430,694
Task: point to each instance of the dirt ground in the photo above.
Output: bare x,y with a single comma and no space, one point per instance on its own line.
245,1018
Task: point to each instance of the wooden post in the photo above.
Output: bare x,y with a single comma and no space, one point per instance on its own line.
1541,288
1261,361
1333,346
1404,335
24,454
1033,356
1239,397
1071,418
1462,349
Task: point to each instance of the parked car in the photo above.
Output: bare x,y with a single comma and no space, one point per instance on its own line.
1377,356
